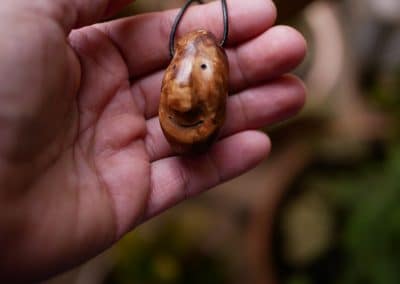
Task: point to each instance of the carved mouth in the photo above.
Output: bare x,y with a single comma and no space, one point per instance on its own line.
184,124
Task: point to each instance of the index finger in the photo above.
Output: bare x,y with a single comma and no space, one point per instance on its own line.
74,14
143,40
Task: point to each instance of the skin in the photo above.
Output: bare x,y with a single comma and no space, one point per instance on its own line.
83,159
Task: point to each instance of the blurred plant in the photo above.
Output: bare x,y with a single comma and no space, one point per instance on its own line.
384,93
168,255
371,233
365,246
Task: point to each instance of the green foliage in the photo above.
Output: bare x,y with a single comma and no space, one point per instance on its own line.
167,256
384,93
371,233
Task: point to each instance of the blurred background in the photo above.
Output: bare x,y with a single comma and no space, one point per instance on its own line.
325,208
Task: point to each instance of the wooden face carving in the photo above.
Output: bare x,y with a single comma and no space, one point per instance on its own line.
194,93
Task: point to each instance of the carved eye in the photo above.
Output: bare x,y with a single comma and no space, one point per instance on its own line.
203,66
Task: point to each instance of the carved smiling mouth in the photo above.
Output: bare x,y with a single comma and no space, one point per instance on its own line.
186,124
189,119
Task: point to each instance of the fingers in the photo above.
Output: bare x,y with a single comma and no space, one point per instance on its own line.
275,52
177,178
143,40
251,109
75,14
264,105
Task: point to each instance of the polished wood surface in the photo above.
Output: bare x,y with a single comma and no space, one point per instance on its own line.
194,93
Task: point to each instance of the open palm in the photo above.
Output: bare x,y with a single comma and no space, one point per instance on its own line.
82,156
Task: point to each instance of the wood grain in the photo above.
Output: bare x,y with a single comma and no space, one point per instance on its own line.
194,93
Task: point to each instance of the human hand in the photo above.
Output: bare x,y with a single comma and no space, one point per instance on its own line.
82,156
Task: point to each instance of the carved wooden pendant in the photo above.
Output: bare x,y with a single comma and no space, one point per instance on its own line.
194,93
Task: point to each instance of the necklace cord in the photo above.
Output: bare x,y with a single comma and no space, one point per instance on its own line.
182,13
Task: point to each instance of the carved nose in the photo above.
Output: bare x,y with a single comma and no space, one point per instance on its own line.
181,100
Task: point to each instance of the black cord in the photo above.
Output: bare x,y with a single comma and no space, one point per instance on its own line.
180,16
